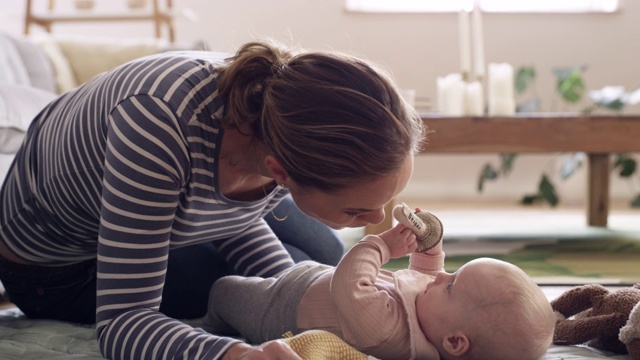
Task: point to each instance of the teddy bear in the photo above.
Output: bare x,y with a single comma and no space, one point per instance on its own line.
630,333
601,318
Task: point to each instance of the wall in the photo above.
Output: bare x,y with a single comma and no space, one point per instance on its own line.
418,48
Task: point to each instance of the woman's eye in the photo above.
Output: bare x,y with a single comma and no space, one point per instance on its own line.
353,213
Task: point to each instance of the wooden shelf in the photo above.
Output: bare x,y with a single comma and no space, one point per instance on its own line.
598,136
160,16
539,133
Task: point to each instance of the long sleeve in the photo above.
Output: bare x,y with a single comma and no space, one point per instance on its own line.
148,172
427,263
125,169
362,300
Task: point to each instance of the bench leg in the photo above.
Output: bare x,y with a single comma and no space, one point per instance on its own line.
598,189
386,224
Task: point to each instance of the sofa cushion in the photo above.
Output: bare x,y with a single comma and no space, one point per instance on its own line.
12,68
88,57
18,106
64,78
38,65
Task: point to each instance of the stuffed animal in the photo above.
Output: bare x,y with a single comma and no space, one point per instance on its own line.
603,319
630,333
321,345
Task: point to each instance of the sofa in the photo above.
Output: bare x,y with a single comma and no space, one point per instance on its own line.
34,70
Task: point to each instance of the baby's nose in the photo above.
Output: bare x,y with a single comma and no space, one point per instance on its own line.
442,277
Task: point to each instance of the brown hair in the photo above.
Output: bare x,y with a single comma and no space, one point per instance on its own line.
331,119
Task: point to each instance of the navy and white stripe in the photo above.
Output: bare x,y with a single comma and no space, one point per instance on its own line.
125,168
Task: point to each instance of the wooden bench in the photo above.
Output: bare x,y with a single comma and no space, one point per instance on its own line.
598,136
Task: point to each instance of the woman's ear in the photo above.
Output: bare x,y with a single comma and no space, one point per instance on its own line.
276,170
456,344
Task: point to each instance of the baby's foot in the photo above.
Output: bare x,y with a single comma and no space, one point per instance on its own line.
425,225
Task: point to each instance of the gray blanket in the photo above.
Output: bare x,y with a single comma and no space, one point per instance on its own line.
22,338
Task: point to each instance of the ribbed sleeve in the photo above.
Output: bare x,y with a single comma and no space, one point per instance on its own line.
124,169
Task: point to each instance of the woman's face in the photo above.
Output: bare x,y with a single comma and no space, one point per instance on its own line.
355,206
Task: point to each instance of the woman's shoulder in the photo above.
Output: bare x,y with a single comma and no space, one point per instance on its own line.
183,79
193,58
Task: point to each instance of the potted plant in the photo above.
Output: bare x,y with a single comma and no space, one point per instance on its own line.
570,87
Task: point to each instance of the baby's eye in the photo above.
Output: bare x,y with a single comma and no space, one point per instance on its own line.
449,286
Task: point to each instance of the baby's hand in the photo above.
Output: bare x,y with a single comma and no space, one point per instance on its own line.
400,241
426,226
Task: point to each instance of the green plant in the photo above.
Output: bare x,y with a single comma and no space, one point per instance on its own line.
570,86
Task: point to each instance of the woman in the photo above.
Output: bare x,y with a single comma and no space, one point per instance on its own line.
152,180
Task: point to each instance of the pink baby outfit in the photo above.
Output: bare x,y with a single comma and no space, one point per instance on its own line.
372,309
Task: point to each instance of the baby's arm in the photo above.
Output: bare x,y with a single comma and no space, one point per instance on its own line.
429,258
364,305
430,262
400,241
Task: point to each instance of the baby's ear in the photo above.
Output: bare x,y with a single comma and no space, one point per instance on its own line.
456,344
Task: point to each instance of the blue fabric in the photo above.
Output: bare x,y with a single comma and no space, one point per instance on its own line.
193,269
65,293
68,293
305,238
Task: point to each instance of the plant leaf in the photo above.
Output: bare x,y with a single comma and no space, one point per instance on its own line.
548,191
529,199
506,162
572,87
525,77
616,104
625,164
636,202
488,173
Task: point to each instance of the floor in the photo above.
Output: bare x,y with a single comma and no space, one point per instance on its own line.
509,219
501,219
512,220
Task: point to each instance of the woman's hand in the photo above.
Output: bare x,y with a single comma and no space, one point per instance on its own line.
272,350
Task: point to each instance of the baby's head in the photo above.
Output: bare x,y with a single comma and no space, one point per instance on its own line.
488,309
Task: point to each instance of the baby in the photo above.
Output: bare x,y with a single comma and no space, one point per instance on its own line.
488,309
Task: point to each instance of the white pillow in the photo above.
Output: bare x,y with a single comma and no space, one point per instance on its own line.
65,79
18,106
5,163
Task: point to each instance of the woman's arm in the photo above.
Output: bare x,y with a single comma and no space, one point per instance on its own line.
146,168
256,251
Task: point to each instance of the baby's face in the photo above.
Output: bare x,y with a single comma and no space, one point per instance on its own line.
449,297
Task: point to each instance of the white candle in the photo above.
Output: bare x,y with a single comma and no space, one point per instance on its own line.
451,95
409,95
465,43
478,43
473,99
500,87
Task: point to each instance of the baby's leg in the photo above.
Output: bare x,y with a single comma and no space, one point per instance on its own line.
218,304
259,309
237,306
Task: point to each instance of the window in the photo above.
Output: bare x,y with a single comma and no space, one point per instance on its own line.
522,6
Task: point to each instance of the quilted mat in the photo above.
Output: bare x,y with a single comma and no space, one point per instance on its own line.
22,338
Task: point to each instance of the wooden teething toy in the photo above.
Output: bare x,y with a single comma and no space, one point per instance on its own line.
425,225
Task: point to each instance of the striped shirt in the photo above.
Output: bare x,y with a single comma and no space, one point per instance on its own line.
124,168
